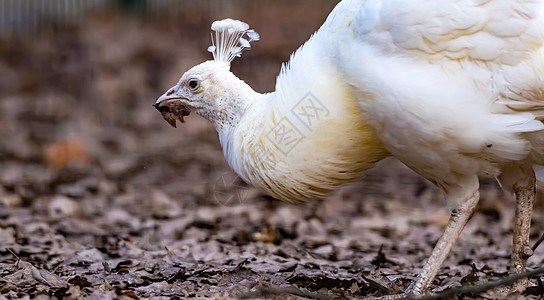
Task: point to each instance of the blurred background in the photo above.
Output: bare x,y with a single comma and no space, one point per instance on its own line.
87,165
78,79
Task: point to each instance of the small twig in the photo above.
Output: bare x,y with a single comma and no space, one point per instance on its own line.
479,288
241,264
269,291
180,271
16,256
537,243
13,253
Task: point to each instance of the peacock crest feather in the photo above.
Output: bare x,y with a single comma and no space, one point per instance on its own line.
230,39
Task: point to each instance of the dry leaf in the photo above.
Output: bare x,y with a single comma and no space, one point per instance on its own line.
48,278
354,288
64,153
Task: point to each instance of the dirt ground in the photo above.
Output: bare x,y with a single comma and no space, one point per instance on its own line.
100,198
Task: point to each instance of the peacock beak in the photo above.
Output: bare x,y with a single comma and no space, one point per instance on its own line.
171,108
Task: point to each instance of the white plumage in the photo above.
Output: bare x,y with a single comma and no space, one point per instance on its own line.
453,89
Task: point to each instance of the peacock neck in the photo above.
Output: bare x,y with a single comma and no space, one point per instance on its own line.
231,105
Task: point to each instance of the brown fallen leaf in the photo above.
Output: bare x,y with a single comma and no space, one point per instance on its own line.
7,287
88,256
80,281
48,278
354,288
130,294
269,235
64,153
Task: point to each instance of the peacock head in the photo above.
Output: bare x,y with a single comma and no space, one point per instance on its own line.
210,89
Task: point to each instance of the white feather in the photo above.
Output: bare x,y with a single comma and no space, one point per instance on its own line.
228,41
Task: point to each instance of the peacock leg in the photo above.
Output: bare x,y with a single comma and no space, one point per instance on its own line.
458,219
525,196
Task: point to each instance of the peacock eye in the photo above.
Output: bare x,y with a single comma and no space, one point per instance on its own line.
194,84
